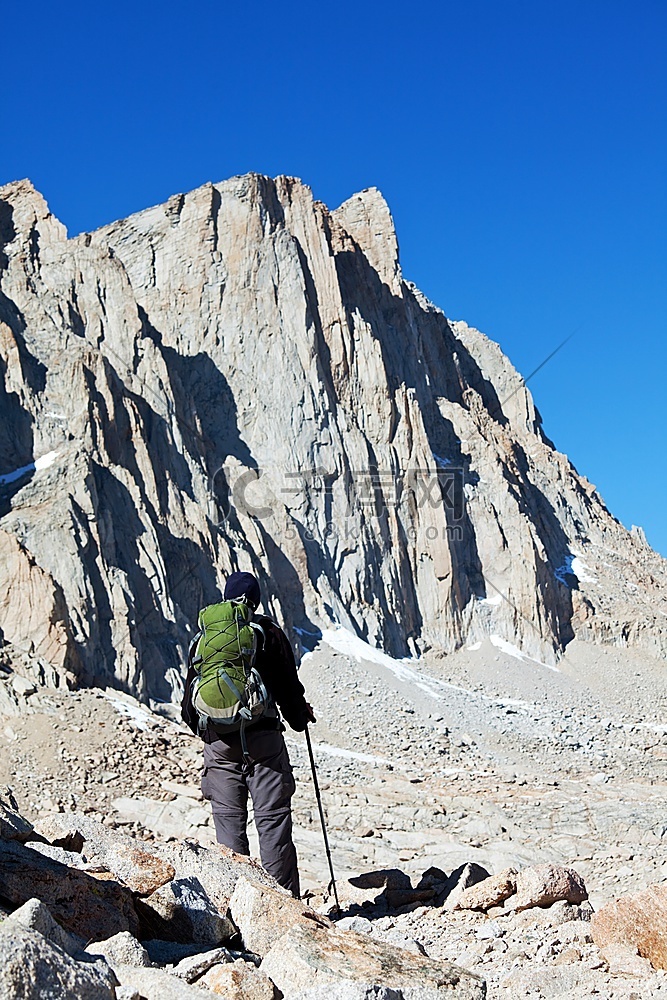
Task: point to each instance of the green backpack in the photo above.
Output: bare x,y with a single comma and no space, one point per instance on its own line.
228,692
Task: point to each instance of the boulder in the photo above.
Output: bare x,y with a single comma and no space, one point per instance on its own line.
433,878
489,892
62,830
362,925
155,984
556,915
22,686
81,903
461,879
638,921
140,870
315,956
172,952
217,868
12,825
183,911
238,981
194,966
35,916
121,949
69,858
543,885
262,914
30,966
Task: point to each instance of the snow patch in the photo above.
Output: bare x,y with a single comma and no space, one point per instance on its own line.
564,570
138,716
331,751
442,462
511,650
493,601
46,460
345,642
579,568
574,566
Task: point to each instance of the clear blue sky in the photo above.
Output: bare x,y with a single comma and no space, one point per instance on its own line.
522,147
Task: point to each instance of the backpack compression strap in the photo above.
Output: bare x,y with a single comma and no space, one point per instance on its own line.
246,720
246,717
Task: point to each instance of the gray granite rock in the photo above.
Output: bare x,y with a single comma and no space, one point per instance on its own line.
182,911
121,949
263,914
155,984
194,966
308,957
140,870
30,966
239,980
92,908
35,916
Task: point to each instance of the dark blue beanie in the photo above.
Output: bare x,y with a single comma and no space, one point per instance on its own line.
243,585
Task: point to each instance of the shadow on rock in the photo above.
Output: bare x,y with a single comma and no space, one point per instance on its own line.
390,891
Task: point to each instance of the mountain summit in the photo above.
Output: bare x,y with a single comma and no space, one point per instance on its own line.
242,379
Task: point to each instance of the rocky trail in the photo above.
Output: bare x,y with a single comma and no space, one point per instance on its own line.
483,758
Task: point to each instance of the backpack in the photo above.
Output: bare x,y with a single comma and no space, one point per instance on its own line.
227,692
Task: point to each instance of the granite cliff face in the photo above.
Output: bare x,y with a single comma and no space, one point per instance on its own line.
241,378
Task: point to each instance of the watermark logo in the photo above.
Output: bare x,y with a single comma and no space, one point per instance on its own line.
348,498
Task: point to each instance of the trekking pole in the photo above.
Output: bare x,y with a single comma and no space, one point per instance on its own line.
332,883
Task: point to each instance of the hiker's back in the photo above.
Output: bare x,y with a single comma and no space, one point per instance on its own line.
228,692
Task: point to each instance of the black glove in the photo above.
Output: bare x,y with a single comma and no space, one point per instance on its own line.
309,713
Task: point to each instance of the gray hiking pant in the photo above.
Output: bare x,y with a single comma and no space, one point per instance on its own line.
271,786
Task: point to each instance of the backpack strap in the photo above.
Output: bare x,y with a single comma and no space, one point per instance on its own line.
259,634
192,649
248,762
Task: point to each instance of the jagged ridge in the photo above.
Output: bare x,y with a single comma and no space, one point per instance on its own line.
243,331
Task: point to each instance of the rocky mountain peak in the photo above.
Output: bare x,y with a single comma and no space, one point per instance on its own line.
367,218
25,218
241,379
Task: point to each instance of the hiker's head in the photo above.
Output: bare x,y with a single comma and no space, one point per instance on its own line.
243,585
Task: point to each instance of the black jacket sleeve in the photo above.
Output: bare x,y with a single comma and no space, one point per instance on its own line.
188,713
277,668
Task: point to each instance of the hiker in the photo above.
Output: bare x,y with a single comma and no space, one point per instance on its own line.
252,757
